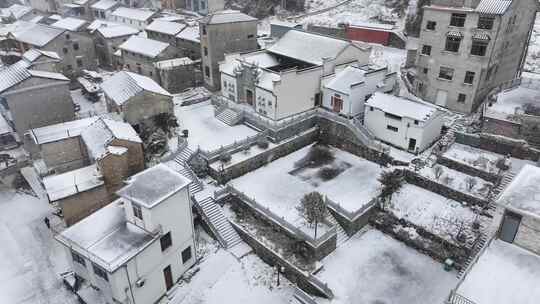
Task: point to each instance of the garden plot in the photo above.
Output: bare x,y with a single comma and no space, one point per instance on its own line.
456,180
477,158
344,178
206,131
441,216
374,268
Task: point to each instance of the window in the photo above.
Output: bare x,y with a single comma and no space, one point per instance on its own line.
76,46
469,77
137,211
485,22
461,98
224,83
207,71
150,74
79,62
458,19
205,51
69,67
446,73
67,36
425,70
186,255
452,43
166,241
479,47
368,96
426,50
392,128
78,258
431,25
251,36
65,50
100,272
204,29
337,102
371,108
416,122
392,116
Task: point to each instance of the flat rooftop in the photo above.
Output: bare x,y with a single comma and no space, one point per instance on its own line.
372,267
106,237
64,185
504,274
523,193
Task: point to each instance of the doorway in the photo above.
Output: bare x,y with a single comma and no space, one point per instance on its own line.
510,227
167,274
441,98
412,144
249,97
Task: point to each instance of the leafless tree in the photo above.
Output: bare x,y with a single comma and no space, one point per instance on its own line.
438,171
470,182
313,208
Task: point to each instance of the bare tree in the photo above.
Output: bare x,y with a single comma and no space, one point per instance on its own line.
313,208
470,182
438,171
391,182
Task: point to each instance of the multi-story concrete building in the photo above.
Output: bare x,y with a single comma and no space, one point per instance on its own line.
139,18
139,55
221,33
467,48
107,40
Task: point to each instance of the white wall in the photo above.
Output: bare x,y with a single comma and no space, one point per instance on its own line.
296,91
230,90
265,102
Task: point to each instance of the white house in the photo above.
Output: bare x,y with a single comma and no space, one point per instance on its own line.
401,122
138,18
285,79
346,91
135,249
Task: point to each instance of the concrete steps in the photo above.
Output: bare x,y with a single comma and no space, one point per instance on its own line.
214,217
342,236
229,117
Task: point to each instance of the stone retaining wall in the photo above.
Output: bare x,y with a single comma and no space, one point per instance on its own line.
517,148
352,227
452,164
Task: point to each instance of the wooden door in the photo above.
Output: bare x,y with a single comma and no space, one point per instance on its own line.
167,274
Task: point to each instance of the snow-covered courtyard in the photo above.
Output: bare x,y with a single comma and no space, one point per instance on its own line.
31,261
477,158
206,131
354,186
374,268
457,180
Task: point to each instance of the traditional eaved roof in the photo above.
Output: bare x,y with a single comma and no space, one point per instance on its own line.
190,33
102,132
64,185
124,85
18,72
523,193
104,4
144,46
113,31
227,16
493,7
37,34
346,79
165,27
401,107
33,54
107,235
99,23
16,10
308,47
154,185
61,131
70,24
133,13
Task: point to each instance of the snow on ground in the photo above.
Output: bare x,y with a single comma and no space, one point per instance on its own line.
224,279
88,108
30,259
354,187
207,131
474,157
435,213
504,274
374,268
512,102
458,181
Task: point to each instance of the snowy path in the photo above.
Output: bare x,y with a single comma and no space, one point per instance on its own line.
30,259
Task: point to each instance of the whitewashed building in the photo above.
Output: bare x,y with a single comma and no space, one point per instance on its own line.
406,124
346,91
135,249
285,79
138,18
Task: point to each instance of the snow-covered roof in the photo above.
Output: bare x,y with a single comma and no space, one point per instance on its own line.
190,33
107,235
113,31
401,107
144,46
493,7
154,185
64,185
38,34
99,23
5,128
33,54
124,85
104,4
70,24
18,72
512,103
98,135
284,23
346,79
170,63
523,193
308,47
47,74
165,27
16,10
262,59
227,16
133,13
61,131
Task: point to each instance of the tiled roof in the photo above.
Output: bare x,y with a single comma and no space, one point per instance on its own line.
124,85
227,16
493,7
165,27
133,13
144,46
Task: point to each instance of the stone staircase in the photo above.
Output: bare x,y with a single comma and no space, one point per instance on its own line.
214,217
342,236
229,117
506,180
184,156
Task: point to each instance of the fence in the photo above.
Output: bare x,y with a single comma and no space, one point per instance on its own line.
315,243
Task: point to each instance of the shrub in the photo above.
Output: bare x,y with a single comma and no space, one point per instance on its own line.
199,166
225,157
327,174
262,143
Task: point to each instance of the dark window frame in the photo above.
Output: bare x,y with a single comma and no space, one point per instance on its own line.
452,44
431,25
78,258
137,211
461,98
165,241
186,255
479,47
486,22
458,19
469,77
446,73
392,128
100,272
426,50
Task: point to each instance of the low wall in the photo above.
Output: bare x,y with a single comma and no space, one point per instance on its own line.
452,164
352,227
497,144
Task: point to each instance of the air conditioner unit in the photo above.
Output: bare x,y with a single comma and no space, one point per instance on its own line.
140,283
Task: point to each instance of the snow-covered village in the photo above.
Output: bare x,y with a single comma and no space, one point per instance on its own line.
269,151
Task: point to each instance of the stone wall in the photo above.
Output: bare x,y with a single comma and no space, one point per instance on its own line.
452,164
352,227
517,148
